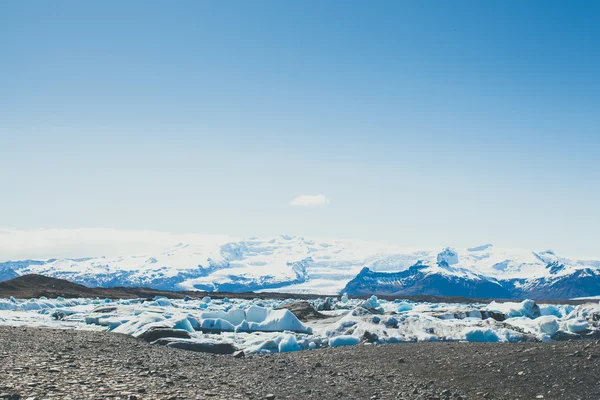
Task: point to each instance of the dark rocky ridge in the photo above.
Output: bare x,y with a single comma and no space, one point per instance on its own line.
28,286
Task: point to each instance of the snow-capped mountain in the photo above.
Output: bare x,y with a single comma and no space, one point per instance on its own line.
486,272
302,265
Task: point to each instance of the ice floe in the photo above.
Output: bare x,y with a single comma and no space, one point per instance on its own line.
270,325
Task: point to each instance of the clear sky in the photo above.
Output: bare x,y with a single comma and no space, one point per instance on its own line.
422,123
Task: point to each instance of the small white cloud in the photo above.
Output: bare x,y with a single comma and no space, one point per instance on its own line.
307,200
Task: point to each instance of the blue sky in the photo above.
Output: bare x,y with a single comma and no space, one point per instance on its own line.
423,123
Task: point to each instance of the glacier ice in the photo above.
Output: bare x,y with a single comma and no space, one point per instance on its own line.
216,325
481,335
404,306
259,326
372,303
343,340
577,325
288,344
548,324
526,308
277,321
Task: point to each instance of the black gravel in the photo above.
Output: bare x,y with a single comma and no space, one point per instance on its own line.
61,364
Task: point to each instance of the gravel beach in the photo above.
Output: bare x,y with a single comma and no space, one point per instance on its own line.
61,364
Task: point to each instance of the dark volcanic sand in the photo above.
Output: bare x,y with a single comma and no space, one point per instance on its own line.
43,363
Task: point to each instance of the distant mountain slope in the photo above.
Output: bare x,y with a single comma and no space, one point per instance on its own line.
38,285
572,284
29,286
7,274
417,280
303,265
421,279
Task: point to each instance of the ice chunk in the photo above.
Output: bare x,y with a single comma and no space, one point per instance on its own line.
404,306
111,323
163,302
547,324
342,327
513,336
39,304
326,305
244,326
183,324
526,308
268,346
159,301
256,314
589,311
148,320
7,305
556,310
279,321
138,325
391,322
288,344
372,302
235,316
194,322
577,325
343,340
481,335
216,324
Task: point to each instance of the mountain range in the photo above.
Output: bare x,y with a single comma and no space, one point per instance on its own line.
301,265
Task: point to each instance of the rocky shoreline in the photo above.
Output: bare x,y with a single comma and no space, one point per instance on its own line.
65,364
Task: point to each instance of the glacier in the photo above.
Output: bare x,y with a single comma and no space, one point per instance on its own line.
295,264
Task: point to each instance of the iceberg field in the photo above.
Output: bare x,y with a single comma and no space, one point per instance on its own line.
268,326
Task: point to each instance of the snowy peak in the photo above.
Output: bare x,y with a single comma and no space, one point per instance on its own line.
422,280
447,256
554,267
312,265
561,282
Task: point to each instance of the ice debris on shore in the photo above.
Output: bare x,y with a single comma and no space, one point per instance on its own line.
267,325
